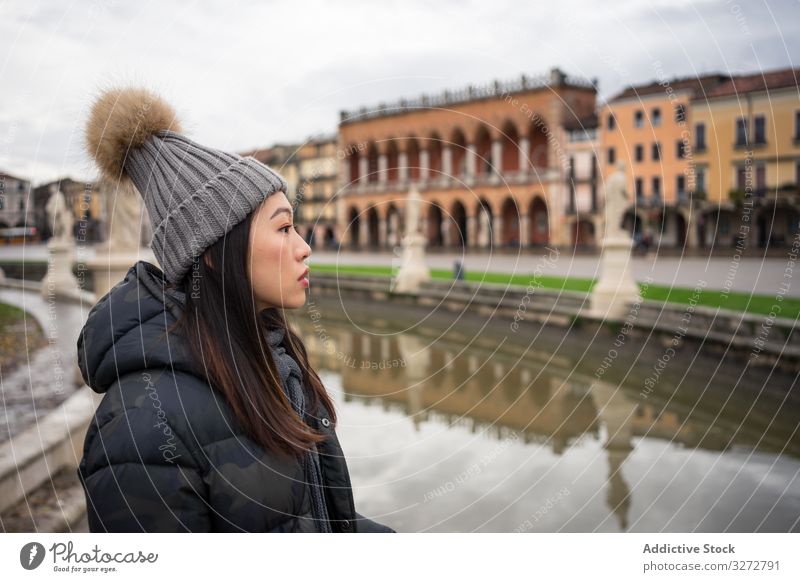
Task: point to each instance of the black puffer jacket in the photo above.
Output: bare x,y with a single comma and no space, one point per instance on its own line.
164,452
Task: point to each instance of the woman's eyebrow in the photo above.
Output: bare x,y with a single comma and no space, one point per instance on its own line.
280,210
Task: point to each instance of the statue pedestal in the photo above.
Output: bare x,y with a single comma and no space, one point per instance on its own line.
616,289
59,279
413,271
109,267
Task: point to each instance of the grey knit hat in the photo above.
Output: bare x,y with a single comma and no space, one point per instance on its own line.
193,194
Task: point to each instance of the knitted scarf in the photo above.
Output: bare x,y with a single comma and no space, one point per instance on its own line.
292,382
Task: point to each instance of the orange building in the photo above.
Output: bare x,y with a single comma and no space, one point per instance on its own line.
648,128
490,163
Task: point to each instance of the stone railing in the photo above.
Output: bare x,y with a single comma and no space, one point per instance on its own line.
774,341
497,89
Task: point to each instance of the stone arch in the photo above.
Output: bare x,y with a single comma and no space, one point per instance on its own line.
669,228
353,163
538,221
412,158
458,152
583,233
434,225
510,148
458,228
329,237
538,143
393,225
681,230
483,151
373,227
434,148
510,225
353,226
392,160
633,223
776,225
483,226
372,162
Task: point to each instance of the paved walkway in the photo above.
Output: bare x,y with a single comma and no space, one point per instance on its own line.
50,375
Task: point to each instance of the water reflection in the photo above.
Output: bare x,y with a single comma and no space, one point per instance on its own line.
449,431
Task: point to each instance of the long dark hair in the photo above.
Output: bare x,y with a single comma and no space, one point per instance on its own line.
225,332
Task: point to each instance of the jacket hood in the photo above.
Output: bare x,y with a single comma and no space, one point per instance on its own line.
126,330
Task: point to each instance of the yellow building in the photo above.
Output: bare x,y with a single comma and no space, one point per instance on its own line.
85,199
283,159
647,127
317,162
746,152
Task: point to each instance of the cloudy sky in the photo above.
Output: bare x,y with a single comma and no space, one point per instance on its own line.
243,76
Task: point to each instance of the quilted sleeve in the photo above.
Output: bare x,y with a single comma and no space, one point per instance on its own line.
138,476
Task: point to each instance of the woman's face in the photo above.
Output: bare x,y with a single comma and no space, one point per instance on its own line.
277,266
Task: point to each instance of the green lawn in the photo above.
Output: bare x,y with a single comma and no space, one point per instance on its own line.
9,314
789,308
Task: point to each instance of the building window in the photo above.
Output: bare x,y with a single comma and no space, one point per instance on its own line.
639,153
655,117
657,187
656,151
639,187
797,126
611,122
680,149
612,156
680,114
760,128
741,131
700,180
680,186
741,178
761,178
638,119
797,174
700,137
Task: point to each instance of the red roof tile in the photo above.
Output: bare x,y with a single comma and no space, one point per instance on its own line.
764,81
697,85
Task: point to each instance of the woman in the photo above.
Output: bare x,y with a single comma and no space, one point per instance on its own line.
212,417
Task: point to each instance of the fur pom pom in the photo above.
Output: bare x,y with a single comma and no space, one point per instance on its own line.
121,119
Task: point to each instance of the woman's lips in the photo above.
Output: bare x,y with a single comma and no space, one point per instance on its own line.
304,278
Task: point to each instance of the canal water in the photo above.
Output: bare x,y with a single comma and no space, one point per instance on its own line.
455,422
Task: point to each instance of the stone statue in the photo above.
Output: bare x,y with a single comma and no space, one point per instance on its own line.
124,212
615,290
59,216
413,271
484,227
393,229
412,212
616,203
59,279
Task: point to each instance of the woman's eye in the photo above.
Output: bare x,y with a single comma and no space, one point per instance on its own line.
285,228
